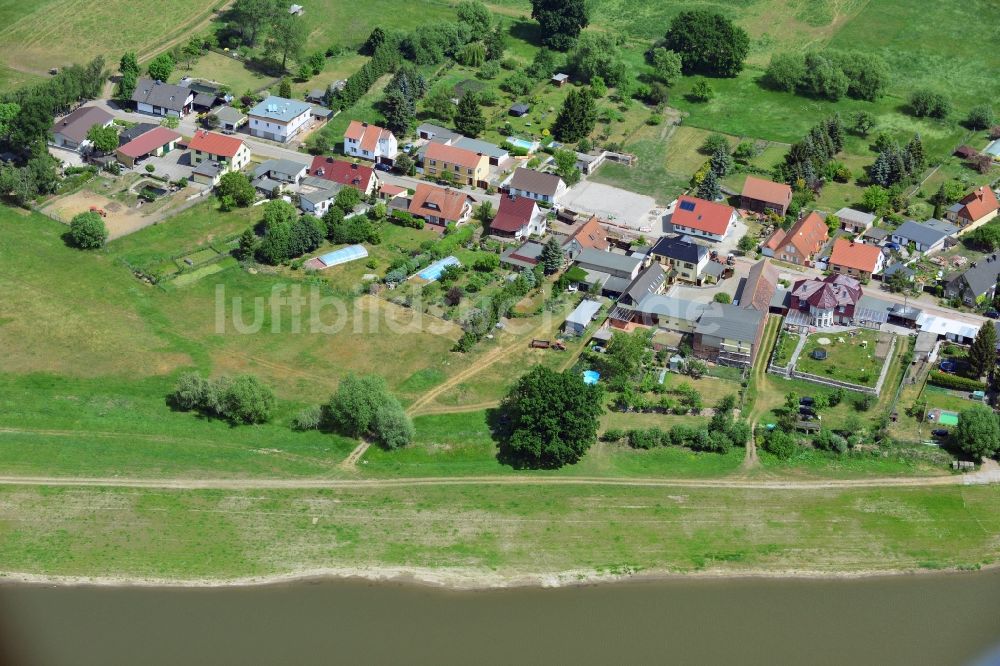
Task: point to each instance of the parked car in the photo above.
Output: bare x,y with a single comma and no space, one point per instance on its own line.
893,246
939,432
379,166
807,401
599,349
992,314
807,410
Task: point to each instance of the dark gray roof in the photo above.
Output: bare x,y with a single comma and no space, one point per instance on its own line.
279,166
616,285
134,132
207,168
876,234
205,99
484,147
730,322
76,125
925,233
599,259
982,275
648,281
670,306
228,114
437,131
536,182
898,268
680,248
159,94
266,184
520,108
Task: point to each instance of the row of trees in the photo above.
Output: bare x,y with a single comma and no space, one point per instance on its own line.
829,74
806,161
243,399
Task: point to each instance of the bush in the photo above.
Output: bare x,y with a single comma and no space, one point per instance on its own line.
722,297
926,103
243,399
308,419
944,380
613,435
781,444
647,439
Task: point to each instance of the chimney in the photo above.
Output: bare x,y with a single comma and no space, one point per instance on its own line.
354,166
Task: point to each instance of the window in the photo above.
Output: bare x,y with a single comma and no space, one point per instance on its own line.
433,162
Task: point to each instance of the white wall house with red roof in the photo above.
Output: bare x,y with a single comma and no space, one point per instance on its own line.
370,142
697,217
229,152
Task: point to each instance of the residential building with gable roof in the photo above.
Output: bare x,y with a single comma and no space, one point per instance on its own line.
685,259
464,166
856,259
544,187
701,218
800,243
71,131
227,153
370,142
440,205
162,99
359,176
157,141
978,283
978,206
279,119
828,302
590,234
926,237
764,196
518,217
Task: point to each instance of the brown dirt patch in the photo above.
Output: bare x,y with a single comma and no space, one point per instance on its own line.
120,219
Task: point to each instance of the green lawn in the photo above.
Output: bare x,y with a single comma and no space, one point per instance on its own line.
786,347
852,360
493,530
234,73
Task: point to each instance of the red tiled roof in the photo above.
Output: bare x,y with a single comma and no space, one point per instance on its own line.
367,135
215,144
855,255
355,130
774,241
452,155
807,235
706,216
390,190
148,142
767,190
979,203
514,214
590,234
357,176
438,202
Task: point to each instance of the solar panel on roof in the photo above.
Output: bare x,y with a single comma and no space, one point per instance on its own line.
687,205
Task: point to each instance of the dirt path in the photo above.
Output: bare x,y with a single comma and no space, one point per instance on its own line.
978,478
351,461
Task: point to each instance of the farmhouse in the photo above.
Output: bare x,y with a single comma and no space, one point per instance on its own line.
856,259
977,206
439,205
855,221
765,196
71,131
977,284
518,217
464,166
697,217
799,244
162,99
278,119
227,153
370,142
544,187
926,237
685,258
157,141
358,176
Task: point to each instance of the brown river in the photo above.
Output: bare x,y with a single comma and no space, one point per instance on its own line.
930,619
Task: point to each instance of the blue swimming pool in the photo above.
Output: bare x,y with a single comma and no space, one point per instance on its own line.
591,376
518,142
433,272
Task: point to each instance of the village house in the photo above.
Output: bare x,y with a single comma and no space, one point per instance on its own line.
765,196
697,217
547,188
162,99
274,175
978,283
439,205
978,206
651,280
855,221
370,142
71,132
518,217
856,259
230,119
759,288
685,259
157,141
317,195
800,243
215,154
728,335
927,237
464,166
278,119
590,234
359,176
826,302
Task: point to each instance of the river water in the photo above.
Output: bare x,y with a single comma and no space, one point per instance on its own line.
933,619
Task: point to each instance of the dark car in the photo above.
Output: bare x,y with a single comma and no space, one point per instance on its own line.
807,417
383,167
939,432
806,401
992,314
804,410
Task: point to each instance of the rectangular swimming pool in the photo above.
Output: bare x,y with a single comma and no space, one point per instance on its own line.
433,272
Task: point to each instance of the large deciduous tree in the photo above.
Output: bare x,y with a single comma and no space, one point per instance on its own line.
552,418
161,67
560,20
708,43
236,185
87,231
287,38
104,139
977,432
363,406
475,14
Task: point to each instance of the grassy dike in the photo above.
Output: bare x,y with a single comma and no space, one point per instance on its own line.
474,535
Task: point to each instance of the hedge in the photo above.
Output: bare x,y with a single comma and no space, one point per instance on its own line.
945,380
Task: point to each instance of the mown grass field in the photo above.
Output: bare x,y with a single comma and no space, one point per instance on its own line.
493,530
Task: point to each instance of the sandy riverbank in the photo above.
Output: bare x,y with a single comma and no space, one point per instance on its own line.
468,579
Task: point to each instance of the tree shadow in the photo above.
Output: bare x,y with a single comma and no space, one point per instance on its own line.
526,31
